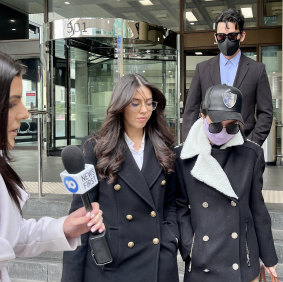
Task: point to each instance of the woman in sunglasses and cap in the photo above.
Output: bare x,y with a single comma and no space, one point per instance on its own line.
224,225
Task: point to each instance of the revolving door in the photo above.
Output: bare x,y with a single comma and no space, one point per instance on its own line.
86,59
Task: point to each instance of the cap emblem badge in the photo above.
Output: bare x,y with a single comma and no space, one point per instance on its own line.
229,99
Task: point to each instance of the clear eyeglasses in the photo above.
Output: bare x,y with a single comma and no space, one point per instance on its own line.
150,106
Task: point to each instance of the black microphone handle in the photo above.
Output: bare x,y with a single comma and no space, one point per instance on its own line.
99,246
88,207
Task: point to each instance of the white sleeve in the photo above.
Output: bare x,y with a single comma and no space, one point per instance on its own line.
7,252
46,234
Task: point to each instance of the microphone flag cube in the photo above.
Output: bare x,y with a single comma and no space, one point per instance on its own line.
82,182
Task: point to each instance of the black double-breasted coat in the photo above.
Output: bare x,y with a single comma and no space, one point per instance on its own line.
221,237
139,213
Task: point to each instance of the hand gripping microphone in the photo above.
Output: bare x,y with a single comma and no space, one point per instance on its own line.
79,178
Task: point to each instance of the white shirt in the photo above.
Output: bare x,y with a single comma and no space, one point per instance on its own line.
138,155
27,238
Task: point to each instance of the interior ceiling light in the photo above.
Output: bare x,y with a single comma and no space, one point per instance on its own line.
13,29
198,53
12,21
247,12
146,2
67,3
191,17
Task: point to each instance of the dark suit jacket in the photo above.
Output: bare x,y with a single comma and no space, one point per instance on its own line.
153,229
251,79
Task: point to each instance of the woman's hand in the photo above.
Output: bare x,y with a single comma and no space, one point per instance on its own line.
271,270
78,222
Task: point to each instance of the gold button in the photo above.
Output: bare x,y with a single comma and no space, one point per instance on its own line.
233,204
153,214
117,187
129,217
205,204
206,270
155,241
235,266
234,235
205,238
131,245
163,182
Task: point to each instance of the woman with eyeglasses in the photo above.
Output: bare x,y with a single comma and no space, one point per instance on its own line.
20,237
132,156
224,225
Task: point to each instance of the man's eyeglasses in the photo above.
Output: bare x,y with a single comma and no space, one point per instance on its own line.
150,106
231,128
232,36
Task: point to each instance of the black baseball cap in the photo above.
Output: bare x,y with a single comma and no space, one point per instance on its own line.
223,102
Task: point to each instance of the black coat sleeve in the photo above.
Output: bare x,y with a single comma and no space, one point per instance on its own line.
261,217
193,103
183,214
170,212
264,108
74,261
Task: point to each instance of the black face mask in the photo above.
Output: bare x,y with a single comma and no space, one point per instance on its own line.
228,47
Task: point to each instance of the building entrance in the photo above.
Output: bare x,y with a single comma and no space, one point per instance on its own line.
84,69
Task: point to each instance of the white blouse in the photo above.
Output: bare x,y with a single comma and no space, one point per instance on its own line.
27,238
138,155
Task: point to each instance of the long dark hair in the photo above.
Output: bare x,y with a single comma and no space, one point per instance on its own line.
8,70
110,144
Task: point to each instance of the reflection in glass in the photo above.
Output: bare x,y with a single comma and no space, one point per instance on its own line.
272,12
272,58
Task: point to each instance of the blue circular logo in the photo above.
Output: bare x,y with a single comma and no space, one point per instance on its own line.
71,184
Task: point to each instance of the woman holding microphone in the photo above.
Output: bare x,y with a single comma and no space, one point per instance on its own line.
20,237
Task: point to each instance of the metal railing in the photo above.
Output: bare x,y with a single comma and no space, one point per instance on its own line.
38,114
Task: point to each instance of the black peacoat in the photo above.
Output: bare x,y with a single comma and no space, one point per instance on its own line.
222,238
251,79
139,213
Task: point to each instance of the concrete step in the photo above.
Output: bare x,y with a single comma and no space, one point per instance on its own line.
276,214
23,280
36,269
41,269
279,250
54,205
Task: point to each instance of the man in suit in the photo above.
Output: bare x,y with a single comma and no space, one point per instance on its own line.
233,68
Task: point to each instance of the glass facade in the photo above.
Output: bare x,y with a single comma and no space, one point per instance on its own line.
272,58
272,13
87,56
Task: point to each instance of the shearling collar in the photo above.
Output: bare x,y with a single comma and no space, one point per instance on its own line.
206,168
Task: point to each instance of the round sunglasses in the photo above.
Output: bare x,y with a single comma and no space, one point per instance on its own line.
232,36
231,128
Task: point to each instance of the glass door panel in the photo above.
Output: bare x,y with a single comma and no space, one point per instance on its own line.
92,81
27,133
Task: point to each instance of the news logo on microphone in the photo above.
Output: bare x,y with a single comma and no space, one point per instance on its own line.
81,182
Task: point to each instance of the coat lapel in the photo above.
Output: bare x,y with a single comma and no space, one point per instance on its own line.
134,178
242,71
215,71
151,168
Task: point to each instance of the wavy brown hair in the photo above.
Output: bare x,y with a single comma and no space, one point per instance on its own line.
9,69
110,144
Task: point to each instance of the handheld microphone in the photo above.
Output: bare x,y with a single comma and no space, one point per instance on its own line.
79,178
